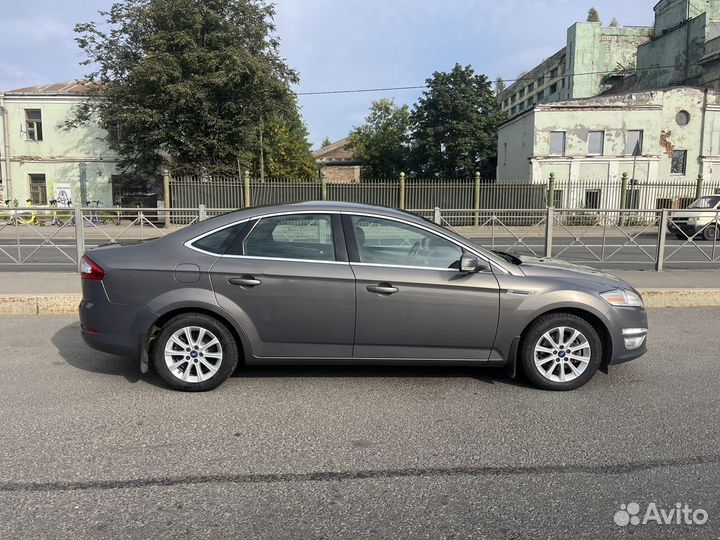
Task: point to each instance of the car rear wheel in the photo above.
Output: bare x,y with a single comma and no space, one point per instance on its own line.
195,352
560,351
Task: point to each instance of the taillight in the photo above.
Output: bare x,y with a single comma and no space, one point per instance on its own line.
90,270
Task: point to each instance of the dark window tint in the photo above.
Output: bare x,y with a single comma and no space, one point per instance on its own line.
217,242
382,241
302,236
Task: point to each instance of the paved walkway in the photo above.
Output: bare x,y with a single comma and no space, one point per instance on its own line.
69,283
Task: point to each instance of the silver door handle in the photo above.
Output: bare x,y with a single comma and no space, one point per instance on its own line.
245,281
383,288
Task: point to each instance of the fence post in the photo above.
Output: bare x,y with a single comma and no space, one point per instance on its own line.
662,233
551,191
246,180
437,218
323,186
699,187
623,197
402,191
202,212
549,221
79,234
166,194
476,221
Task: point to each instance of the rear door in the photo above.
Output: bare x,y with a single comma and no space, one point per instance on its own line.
289,284
412,300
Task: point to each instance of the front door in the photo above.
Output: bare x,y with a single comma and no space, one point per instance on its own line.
289,287
412,300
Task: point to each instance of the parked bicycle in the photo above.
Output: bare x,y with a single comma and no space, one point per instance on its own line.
94,218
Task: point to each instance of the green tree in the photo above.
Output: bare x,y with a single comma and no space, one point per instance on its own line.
593,15
455,124
382,142
499,85
614,23
325,143
184,82
286,148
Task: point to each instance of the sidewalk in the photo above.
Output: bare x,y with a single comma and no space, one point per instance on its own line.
56,293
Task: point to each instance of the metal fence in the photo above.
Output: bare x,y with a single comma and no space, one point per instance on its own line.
237,192
651,239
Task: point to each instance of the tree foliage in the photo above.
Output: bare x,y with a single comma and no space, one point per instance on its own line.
382,142
593,15
455,124
286,148
499,85
325,143
187,83
614,23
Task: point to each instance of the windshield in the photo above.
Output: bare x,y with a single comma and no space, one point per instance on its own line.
706,202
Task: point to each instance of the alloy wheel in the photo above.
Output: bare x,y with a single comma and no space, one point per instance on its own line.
562,354
193,354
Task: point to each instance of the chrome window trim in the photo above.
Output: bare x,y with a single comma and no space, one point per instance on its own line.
464,246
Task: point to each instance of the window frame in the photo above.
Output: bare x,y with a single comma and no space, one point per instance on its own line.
354,251
33,126
564,144
631,151
685,162
340,216
602,143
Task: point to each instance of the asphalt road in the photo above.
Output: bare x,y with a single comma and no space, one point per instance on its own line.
89,449
617,253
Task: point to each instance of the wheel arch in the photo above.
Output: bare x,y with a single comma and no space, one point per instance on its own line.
225,319
587,315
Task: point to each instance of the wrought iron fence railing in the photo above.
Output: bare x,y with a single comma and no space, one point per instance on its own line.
609,237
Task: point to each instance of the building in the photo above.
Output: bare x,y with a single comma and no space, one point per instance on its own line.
594,58
660,136
40,159
339,164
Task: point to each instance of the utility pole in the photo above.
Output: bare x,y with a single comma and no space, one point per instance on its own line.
83,184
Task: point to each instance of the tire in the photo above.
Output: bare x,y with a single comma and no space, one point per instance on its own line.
553,372
711,232
205,363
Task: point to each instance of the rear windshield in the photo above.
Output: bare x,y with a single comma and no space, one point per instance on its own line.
706,202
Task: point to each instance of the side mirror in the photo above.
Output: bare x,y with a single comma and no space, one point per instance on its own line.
470,264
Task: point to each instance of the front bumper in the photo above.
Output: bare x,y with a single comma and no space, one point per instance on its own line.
688,229
626,323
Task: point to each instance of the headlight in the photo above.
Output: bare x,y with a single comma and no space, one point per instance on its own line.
622,298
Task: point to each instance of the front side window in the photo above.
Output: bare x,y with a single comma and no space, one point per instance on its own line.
557,143
33,124
634,143
596,143
679,162
387,242
302,236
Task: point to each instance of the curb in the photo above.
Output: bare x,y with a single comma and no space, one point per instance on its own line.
67,304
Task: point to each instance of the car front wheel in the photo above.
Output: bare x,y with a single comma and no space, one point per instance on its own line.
560,351
195,352
711,232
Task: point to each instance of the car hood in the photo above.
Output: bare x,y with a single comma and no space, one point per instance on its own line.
548,267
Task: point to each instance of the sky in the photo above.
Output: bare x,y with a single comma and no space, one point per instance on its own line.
340,44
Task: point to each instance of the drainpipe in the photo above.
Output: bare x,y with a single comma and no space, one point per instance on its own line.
6,150
702,133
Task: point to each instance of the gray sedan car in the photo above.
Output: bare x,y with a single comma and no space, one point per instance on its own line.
337,283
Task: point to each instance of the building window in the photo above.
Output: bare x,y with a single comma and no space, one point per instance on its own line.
531,87
553,88
682,118
514,98
679,162
596,143
592,198
540,95
33,124
38,189
553,73
522,92
634,144
541,80
513,109
557,143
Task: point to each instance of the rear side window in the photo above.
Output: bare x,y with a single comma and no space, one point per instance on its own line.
218,241
302,236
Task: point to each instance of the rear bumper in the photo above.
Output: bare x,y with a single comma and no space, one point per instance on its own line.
112,328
